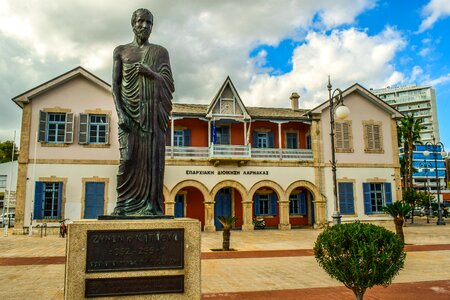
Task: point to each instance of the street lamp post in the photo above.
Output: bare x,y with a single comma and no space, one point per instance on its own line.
434,146
337,107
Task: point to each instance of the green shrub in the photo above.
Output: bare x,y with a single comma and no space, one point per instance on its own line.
360,255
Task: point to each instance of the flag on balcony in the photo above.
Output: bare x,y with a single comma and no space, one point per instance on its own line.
214,133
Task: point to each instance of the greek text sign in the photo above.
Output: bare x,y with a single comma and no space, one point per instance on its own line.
124,250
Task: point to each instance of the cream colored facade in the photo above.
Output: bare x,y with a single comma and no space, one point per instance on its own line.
73,164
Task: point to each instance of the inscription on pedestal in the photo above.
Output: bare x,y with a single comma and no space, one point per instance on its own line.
134,286
127,250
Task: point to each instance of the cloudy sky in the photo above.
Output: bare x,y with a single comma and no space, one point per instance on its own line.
268,48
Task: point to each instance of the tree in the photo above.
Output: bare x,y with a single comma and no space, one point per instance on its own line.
398,210
410,196
227,222
360,255
6,151
409,134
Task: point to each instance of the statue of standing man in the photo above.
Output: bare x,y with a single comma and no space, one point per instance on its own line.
142,89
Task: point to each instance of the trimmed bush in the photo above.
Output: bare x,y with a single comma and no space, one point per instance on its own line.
360,255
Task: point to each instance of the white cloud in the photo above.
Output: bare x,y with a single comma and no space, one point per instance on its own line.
436,81
433,11
207,40
348,56
416,72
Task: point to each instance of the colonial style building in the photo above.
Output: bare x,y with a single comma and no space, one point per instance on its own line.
222,158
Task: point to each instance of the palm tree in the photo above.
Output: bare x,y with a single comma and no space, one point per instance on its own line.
398,210
409,133
227,222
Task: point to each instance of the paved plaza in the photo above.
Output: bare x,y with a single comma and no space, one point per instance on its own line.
268,264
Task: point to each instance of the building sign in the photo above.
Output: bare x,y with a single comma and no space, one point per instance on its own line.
227,172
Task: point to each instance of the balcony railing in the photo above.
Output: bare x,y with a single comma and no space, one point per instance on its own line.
239,152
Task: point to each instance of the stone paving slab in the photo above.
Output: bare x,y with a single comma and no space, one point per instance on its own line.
259,273
436,290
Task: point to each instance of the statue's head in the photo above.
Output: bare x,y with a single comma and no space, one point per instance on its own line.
142,23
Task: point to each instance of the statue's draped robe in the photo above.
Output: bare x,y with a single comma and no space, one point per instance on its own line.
147,103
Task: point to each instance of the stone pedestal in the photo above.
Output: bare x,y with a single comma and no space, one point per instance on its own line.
133,259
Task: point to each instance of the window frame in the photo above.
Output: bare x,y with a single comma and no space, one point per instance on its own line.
3,181
369,134
97,125
343,144
344,190
295,143
371,194
58,125
86,125
66,126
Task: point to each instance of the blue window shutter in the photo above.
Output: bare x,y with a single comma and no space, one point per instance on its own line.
388,192
350,198
342,197
255,139
38,199
367,201
271,140
60,190
187,137
256,204
273,204
302,204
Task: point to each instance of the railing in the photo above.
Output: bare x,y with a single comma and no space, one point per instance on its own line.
229,151
187,152
282,154
239,152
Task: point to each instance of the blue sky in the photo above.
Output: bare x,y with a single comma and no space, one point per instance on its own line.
269,48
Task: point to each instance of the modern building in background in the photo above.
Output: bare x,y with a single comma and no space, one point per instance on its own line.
419,101
427,167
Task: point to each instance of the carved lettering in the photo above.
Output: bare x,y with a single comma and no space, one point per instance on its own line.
135,250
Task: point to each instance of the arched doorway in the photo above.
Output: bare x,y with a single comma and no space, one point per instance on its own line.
189,203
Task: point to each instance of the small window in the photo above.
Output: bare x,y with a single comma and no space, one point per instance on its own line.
221,135
178,138
265,204
97,129
376,195
291,140
343,136
308,141
47,201
263,140
2,181
346,198
94,129
373,137
297,204
55,128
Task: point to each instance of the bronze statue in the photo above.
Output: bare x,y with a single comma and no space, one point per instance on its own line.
142,89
